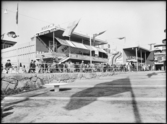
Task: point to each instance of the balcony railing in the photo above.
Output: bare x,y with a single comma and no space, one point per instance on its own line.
72,56
84,57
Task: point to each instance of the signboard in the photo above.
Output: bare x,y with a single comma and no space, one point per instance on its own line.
134,57
48,26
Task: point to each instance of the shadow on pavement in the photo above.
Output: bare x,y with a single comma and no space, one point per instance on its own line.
22,100
151,74
102,90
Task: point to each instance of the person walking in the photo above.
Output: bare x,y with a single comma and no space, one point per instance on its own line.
30,66
20,68
129,66
8,65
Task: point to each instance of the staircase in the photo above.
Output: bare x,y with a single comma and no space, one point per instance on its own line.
63,59
44,44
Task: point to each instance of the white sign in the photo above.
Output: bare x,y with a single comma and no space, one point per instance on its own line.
48,26
133,57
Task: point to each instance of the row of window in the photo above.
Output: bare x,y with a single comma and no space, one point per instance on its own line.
21,51
5,46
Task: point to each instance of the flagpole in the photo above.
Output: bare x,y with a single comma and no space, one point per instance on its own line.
69,46
17,18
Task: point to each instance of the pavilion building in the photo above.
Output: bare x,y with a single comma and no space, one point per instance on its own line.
50,43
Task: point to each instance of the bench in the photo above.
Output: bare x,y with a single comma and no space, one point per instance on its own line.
56,86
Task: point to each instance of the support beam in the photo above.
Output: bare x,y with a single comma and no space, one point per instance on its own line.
69,46
90,52
53,41
136,58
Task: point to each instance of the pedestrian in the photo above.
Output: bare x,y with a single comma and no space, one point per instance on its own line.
20,69
129,66
8,65
30,67
82,66
53,66
24,69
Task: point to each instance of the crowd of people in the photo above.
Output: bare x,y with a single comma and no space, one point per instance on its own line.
37,66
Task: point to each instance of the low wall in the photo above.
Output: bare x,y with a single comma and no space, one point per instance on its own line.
17,83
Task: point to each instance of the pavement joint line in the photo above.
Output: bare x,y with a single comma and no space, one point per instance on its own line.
86,98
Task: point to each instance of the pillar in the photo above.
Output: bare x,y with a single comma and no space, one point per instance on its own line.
90,52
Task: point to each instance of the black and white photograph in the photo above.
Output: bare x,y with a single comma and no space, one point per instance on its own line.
83,61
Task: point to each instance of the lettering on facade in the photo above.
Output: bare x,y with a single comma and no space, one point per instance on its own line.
133,57
48,26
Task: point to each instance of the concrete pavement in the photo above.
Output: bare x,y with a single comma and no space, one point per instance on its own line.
128,97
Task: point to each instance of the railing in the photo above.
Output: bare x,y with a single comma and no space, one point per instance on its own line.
59,68
84,57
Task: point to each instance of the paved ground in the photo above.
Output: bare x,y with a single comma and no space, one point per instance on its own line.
126,97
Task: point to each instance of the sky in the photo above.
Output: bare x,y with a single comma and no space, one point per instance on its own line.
141,23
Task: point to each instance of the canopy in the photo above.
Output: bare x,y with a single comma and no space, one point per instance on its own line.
132,60
70,43
63,42
157,49
101,50
89,47
79,45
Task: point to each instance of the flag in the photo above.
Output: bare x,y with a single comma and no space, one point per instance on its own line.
17,15
70,28
95,35
121,38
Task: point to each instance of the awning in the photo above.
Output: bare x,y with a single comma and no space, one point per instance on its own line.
95,49
79,45
101,50
89,47
63,42
70,43
131,60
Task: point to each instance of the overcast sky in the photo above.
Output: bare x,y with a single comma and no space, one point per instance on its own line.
140,22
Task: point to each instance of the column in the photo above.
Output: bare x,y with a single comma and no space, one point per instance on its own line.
69,47
53,42
136,58
90,52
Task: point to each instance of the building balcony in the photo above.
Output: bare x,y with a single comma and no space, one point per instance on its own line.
72,56
160,53
88,58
